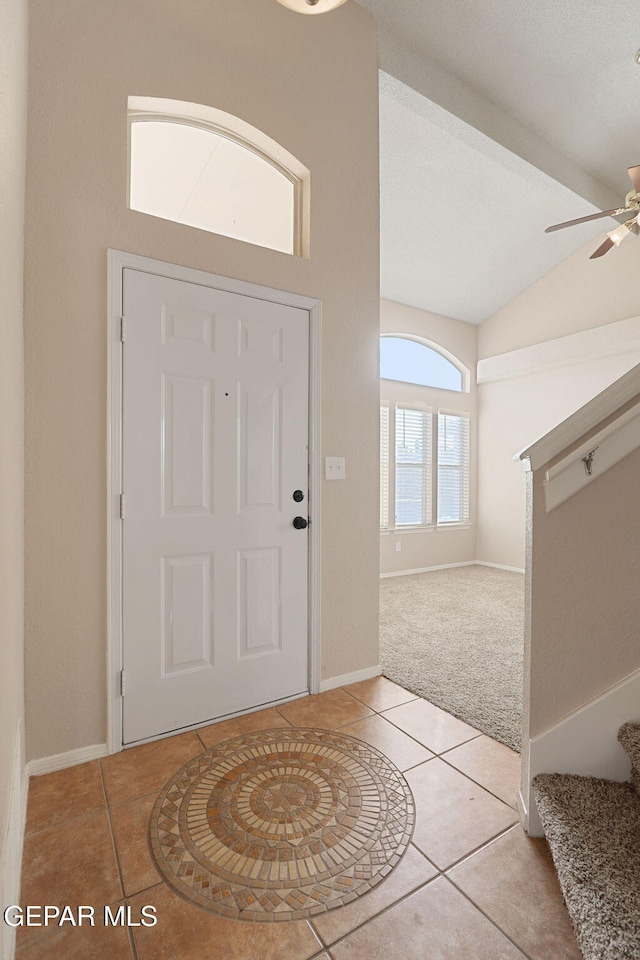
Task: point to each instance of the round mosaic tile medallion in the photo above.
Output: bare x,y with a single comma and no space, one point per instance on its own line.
281,824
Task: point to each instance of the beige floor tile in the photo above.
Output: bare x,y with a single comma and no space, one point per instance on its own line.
64,795
412,871
454,816
433,727
145,769
69,857
514,882
185,932
380,693
400,748
81,943
130,821
71,864
436,923
327,710
491,764
249,723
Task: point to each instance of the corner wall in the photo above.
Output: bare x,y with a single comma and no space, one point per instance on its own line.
13,80
311,84
513,413
577,295
549,350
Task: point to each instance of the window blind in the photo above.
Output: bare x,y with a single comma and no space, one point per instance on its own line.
453,468
384,467
413,467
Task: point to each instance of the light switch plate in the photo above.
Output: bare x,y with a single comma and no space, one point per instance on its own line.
334,468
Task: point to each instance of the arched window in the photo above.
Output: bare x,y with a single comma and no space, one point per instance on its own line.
203,168
424,445
411,361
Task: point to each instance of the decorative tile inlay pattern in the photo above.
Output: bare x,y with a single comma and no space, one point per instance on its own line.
281,824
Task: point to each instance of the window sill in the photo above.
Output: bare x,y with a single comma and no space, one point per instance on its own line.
441,528
402,530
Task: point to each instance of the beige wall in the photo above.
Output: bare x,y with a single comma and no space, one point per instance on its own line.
578,295
514,413
13,66
287,75
440,547
585,604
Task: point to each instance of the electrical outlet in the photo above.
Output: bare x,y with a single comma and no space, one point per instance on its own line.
398,546
334,468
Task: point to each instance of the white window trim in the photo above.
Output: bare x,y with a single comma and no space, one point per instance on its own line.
392,406
384,405
232,128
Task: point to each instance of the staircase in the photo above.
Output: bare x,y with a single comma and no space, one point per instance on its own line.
593,829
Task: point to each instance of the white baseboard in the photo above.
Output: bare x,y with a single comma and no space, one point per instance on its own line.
523,813
443,566
11,862
499,566
367,673
450,566
585,742
60,761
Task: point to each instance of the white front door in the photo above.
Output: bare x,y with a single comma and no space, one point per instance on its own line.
214,447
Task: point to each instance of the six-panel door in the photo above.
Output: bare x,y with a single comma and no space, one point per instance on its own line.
215,442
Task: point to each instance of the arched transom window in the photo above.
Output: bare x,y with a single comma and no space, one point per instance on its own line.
411,361
206,169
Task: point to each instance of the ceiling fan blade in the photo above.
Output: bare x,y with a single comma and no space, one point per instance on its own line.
593,216
602,249
634,174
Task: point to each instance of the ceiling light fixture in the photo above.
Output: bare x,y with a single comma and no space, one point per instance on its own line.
619,234
311,6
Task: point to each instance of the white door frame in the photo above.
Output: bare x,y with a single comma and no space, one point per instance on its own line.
117,261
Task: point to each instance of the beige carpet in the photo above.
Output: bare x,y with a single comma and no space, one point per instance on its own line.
455,637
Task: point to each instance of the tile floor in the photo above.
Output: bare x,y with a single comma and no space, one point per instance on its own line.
471,885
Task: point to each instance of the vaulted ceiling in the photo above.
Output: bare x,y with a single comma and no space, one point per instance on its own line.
498,118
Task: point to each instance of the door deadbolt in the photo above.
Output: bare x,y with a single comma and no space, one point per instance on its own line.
298,495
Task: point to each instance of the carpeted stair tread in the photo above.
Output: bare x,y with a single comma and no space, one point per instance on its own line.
629,737
593,829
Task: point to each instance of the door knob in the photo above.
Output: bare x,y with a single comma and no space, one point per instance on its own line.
299,523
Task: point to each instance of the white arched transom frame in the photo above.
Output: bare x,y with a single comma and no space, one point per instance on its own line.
410,359
199,166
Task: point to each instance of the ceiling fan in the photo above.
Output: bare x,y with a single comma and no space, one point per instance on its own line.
614,237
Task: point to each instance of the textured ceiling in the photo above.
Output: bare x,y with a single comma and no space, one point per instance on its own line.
554,85
462,219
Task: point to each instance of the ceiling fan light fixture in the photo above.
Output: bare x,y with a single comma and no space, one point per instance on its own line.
311,6
620,232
